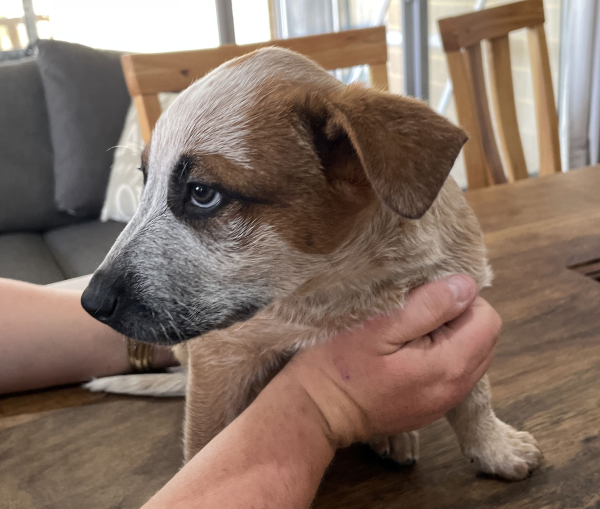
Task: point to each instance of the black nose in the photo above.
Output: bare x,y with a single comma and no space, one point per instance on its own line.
100,299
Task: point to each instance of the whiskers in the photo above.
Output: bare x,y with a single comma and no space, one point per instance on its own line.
135,150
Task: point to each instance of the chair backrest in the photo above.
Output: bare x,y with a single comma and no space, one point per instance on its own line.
12,29
462,36
148,74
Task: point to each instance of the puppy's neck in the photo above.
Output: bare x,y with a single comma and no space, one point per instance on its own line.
372,273
368,275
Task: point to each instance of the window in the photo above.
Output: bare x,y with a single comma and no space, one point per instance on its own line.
132,25
251,20
12,28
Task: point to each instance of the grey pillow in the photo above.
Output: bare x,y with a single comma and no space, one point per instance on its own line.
26,178
87,102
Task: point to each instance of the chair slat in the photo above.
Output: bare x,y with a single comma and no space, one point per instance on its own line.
469,29
475,163
148,110
547,117
379,76
173,72
462,37
503,99
149,74
480,100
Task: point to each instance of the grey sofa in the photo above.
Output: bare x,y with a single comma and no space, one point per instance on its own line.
39,242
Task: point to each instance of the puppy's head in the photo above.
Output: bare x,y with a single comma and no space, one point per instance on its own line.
255,177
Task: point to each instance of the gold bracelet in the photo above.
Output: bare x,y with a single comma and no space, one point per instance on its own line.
140,356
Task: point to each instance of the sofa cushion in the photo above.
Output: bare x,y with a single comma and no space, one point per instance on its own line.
79,249
26,177
87,102
26,257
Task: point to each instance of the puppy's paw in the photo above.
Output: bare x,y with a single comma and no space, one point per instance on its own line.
168,385
505,452
402,448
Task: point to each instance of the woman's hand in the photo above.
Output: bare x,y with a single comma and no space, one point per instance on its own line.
402,371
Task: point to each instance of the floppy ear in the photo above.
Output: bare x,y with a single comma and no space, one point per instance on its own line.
406,150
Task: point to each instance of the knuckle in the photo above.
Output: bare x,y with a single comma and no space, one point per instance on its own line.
458,382
493,319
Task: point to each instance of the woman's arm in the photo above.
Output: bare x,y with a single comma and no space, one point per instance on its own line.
272,456
46,339
393,375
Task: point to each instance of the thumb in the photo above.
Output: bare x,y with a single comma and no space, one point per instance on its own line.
428,307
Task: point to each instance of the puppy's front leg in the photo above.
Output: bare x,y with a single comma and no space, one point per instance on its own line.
402,448
494,446
223,380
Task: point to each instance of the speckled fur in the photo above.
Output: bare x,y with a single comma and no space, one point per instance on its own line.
311,288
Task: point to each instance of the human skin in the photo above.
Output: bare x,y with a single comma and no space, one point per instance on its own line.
397,373
47,339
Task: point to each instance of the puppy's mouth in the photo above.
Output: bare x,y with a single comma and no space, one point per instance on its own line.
168,333
163,324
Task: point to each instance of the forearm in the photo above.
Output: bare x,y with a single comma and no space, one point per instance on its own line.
272,456
46,339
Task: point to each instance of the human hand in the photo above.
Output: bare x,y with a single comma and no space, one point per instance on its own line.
403,371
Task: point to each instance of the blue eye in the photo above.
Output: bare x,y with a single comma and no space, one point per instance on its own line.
204,197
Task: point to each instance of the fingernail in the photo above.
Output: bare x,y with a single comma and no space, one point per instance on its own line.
461,287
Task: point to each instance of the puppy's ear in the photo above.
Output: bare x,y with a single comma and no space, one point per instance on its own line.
405,149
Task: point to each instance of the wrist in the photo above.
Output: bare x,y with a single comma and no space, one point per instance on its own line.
342,420
288,391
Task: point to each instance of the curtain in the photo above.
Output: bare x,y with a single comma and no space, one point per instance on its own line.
580,111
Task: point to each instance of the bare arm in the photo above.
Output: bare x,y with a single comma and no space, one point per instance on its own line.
47,339
394,375
272,456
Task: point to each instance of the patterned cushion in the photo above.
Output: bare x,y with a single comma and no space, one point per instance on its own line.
125,183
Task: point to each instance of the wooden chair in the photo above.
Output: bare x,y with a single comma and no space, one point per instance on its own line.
148,74
462,36
11,26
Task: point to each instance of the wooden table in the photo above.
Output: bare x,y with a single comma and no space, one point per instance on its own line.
69,449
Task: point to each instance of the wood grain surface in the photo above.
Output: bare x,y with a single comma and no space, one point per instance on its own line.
68,449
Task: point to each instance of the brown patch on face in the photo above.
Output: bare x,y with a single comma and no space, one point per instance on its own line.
217,169
319,220
311,191
322,158
313,214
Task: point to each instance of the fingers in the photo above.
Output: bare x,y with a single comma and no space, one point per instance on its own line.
473,335
461,351
427,308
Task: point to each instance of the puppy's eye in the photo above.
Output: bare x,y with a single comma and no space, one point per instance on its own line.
204,197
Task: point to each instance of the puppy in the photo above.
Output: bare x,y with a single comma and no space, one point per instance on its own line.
281,207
